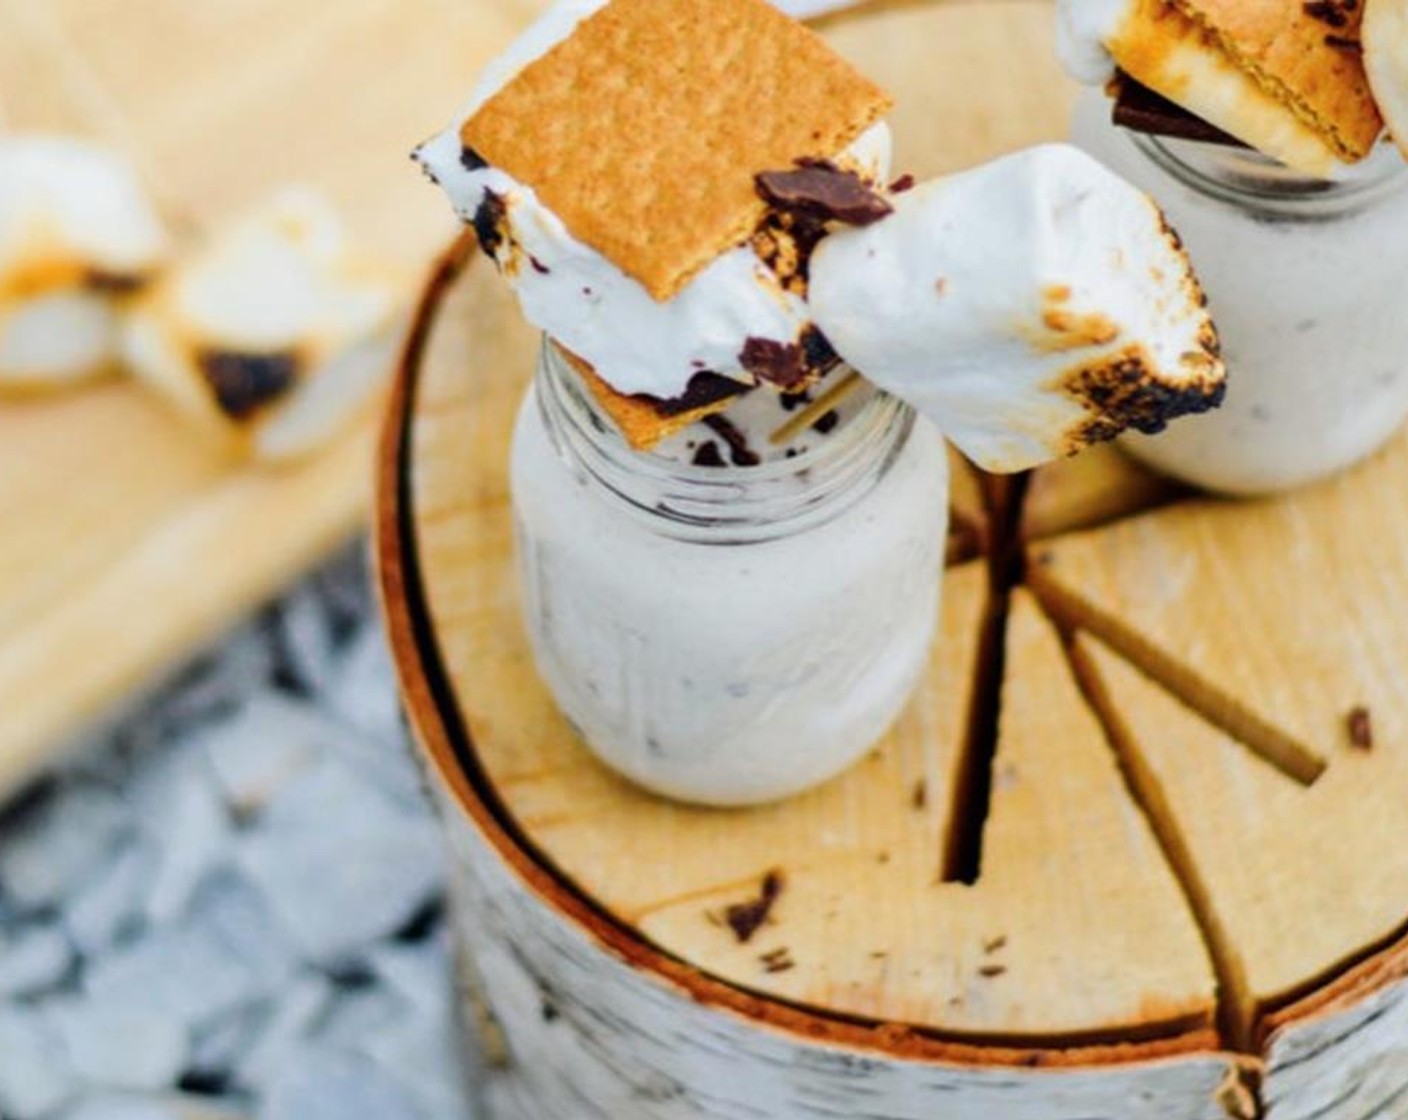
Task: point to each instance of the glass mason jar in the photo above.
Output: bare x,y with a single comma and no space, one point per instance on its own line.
1307,281
727,635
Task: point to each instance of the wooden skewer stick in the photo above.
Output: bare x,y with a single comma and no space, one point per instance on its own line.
817,409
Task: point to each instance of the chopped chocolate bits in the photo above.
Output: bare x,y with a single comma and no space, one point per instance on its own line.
707,455
779,960
1334,13
740,454
471,160
491,223
1360,725
244,383
902,184
827,423
778,363
746,918
822,190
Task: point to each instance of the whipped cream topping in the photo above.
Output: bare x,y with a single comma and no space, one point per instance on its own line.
1083,27
569,290
1028,307
77,233
279,331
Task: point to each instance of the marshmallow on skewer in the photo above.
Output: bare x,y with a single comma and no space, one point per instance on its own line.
77,237
1029,308
1385,35
277,334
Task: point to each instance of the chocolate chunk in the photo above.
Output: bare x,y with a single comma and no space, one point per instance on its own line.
707,455
1140,109
739,452
746,918
817,349
704,389
782,364
245,383
823,190
792,401
491,223
1361,728
902,184
471,160
827,423
112,283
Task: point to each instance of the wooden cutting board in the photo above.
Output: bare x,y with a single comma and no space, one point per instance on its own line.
125,542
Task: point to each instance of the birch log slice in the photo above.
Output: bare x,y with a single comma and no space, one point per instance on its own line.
1166,923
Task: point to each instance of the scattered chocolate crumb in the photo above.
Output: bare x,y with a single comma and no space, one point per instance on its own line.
550,1011
820,189
879,955
919,798
538,266
989,971
490,223
112,283
746,918
1361,728
471,160
738,450
902,184
994,945
792,401
826,423
707,455
245,383
714,918
778,363
883,858
792,453
779,960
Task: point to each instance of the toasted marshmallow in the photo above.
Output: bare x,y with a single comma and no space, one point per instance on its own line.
582,299
1029,308
277,334
77,236
1385,37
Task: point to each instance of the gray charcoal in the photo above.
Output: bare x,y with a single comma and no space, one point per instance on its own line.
327,1085
33,959
113,1045
60,842
35,1081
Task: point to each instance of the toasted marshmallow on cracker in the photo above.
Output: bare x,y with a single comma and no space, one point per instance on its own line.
609,160
1284,78
78,235
1029,308
277,334
1385,35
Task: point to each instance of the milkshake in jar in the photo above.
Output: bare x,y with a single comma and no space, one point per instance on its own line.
724,620
1262,141
1307,279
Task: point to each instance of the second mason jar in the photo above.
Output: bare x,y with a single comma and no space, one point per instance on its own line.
727,634
1308,284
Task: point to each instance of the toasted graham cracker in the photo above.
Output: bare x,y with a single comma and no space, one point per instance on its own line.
1166,50
644,129
1306,55
643,422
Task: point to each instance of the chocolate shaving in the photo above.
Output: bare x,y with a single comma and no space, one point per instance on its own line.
1140,109
746,918
824,191
738,450
1361,728
245,383
707,455
491,223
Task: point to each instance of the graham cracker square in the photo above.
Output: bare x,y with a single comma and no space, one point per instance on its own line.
1305,54
644,129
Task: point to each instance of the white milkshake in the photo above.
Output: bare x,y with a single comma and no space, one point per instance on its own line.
729,634
1307,281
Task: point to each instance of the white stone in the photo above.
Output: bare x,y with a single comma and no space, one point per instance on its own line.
327,1085
184,816
35,1081
268,742
291,1023
307,640
51,849
341,864
108,906
113,1045
357,1016
33,959
237,917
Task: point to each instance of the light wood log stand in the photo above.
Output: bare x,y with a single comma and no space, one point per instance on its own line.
1189,900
